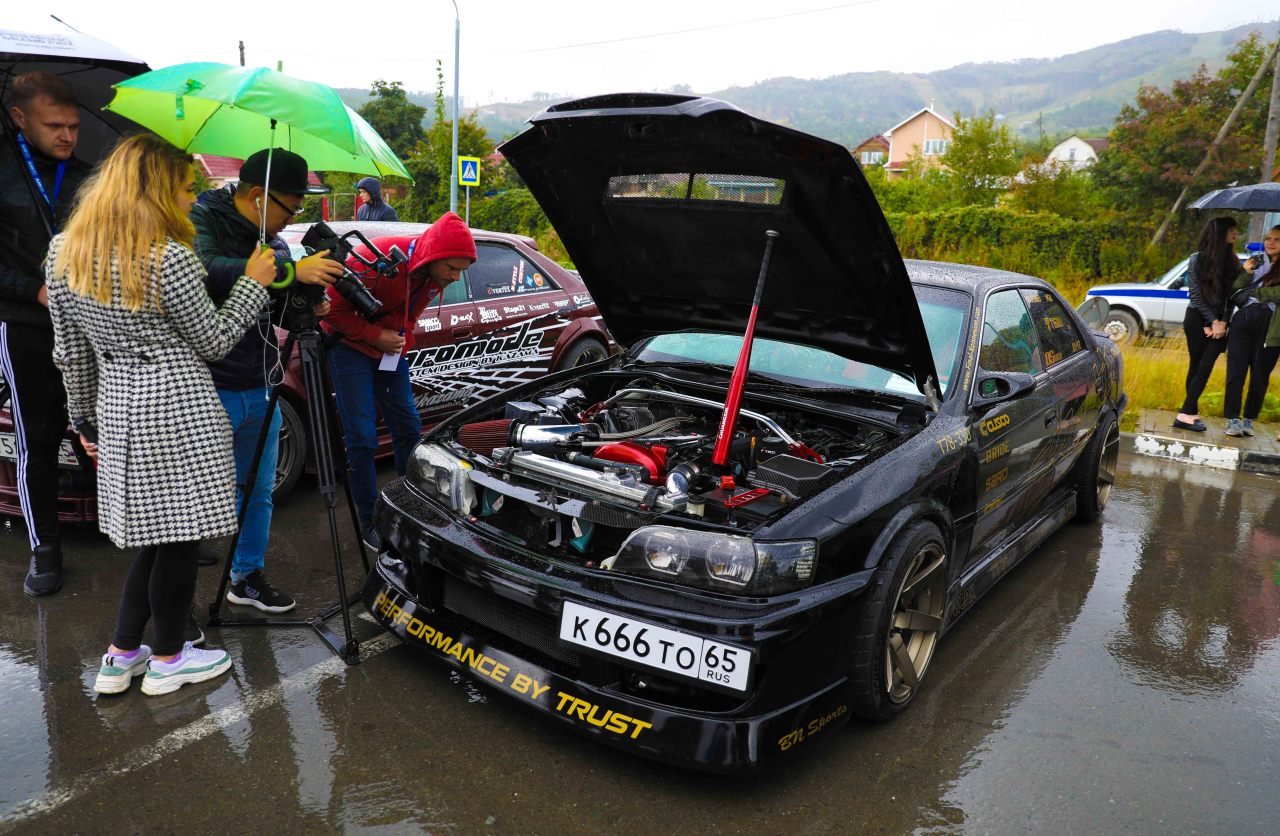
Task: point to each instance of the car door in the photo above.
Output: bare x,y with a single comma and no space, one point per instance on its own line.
1175,296
1013,475
1073,376
437,365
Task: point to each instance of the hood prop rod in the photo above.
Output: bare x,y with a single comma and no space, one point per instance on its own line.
733,401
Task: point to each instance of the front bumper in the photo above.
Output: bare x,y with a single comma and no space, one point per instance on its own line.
451,592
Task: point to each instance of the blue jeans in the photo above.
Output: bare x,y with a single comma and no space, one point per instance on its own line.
246,409
361,388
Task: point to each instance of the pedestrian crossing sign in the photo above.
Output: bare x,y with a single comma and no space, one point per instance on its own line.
468,171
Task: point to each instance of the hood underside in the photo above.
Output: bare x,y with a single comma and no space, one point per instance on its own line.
663,202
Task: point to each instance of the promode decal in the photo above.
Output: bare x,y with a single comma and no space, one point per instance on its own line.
480,351
406,622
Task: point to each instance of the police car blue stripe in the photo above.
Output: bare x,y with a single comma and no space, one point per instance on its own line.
1156,294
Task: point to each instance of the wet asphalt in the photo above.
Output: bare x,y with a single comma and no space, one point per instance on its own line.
1124,679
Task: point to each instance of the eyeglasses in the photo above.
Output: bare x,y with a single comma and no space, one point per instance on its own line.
293,213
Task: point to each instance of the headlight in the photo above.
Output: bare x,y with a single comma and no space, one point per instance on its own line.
439,473
725,562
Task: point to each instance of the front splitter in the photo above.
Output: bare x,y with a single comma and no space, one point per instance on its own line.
700,741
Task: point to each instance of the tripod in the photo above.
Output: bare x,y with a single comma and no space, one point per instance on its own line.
311,356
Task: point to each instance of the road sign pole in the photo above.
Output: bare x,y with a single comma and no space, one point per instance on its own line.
468,206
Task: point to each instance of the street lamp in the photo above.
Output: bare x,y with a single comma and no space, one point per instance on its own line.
453,162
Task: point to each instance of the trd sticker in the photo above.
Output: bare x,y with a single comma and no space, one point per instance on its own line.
1053,322
992,425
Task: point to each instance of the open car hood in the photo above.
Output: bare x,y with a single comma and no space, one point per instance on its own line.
662,201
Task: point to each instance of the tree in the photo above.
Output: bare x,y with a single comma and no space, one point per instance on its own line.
431,160
981,157
1057,188
394,117
1159,140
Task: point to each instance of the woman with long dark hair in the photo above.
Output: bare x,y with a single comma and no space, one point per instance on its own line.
133,327
1210,272
1254,343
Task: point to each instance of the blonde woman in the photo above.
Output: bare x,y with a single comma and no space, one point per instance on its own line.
133,327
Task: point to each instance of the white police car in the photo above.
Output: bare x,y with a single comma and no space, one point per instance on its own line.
1154,308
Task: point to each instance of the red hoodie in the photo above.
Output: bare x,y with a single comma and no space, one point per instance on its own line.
448,237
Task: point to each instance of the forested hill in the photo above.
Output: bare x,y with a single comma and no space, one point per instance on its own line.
1077,93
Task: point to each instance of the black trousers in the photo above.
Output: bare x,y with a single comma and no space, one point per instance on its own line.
39,406
161,585
1204,353
1247,356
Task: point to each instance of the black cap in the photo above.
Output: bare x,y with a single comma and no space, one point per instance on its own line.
288,172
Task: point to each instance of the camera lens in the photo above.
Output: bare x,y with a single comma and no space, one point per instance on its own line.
360,298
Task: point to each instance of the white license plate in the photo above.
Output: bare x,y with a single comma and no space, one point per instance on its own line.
654,646
9,450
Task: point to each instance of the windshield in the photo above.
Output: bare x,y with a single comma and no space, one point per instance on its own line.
943,312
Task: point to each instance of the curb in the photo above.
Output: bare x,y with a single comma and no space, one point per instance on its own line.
1206,455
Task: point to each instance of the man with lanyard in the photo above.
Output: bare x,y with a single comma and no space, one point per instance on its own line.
37,188
369,368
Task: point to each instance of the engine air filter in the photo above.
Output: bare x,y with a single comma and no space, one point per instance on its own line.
483,436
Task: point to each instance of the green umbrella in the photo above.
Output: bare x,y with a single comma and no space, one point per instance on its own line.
208,108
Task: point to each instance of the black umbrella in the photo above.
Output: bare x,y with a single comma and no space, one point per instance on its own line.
89,65
1259,197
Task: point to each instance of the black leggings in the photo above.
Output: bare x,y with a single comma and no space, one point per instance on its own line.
161,584
1204,353
1246,355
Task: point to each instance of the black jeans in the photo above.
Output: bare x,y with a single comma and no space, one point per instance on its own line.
39,407
1246,355
1204,353
161,585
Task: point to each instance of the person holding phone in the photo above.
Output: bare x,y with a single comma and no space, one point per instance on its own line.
369,367
133,327
1254,343
1210,272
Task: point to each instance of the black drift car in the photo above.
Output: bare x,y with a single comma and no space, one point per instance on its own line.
908,433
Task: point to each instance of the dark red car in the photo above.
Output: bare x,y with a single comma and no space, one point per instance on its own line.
517,315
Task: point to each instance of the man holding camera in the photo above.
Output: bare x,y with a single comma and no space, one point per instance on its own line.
227,226
38,183
369,368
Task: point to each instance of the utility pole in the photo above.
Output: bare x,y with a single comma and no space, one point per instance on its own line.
242,53
1268,148
1217,140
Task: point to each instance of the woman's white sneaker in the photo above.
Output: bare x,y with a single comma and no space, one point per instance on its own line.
192,665
117,671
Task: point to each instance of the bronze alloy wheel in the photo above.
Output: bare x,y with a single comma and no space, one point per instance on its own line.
917,618
1107,464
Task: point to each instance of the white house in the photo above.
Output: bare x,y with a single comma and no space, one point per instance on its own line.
1076,152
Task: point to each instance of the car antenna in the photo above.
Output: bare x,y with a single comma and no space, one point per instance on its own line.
733,400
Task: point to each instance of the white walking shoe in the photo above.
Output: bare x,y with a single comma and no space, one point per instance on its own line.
192,665
117,672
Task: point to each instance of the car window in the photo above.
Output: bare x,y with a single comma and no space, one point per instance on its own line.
1058,334
454,292
1009,342
501,271
943,312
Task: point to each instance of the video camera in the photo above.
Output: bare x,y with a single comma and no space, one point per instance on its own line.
321,237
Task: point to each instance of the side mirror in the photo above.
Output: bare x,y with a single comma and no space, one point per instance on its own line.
994,387
1094,312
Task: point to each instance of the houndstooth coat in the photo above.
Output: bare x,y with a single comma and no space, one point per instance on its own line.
165,467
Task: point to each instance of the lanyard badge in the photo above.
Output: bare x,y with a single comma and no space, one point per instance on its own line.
35,177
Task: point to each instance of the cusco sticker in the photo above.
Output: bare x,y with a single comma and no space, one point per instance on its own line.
992,425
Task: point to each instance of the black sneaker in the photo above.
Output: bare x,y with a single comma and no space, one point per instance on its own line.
256,591
192,634
45,575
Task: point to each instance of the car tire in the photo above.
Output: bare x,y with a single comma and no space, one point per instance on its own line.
1096,470
291,457
901,620
1121,326
585,350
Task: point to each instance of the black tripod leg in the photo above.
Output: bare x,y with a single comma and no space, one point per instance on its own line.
310,354
246,490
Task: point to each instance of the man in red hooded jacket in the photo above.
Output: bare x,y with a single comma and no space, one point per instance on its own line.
369,368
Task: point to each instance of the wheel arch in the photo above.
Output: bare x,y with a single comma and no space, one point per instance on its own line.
929,510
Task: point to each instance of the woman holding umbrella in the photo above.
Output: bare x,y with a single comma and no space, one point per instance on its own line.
1210,272
133,327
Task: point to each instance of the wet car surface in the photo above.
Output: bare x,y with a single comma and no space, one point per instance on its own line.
1122,679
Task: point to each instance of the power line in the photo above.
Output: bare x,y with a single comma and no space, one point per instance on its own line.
706,28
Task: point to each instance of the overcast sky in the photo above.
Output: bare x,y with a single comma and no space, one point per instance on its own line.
511,50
